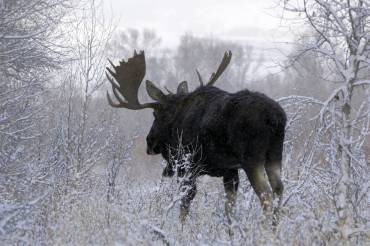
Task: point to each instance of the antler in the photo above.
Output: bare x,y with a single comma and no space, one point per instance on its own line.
128,76
221,68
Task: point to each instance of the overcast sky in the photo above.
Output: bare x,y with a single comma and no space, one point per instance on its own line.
242,20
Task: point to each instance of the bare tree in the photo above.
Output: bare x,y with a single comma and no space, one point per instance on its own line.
341,40
30,50
305,74
91,34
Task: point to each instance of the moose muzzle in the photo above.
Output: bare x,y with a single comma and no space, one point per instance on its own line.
153,149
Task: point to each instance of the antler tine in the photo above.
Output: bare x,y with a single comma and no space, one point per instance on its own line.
111,63
121,104
199,78
127,79
221,68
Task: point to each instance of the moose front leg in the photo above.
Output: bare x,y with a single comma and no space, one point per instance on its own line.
231,183
188,190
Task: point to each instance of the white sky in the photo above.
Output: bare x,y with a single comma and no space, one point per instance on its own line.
254,21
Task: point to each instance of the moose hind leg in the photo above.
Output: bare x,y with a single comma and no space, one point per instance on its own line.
273,171
273,164
231,183
259,182
189,189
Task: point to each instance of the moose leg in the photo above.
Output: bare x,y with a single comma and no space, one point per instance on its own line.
188,190
273,171
260,185
273,164
231,183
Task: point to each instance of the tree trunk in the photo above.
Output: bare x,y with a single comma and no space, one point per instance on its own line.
343,196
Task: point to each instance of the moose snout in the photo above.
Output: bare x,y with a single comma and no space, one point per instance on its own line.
149,150
152,147
153,150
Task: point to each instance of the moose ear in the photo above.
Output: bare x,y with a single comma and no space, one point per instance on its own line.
183,88
155,93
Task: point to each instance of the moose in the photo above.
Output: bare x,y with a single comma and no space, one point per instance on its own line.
242,130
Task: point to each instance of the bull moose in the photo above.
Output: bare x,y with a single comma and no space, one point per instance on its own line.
232,130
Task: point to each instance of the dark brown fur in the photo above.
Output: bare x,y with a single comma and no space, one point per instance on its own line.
232,130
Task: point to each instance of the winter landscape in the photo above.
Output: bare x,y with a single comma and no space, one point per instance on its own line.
75,171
